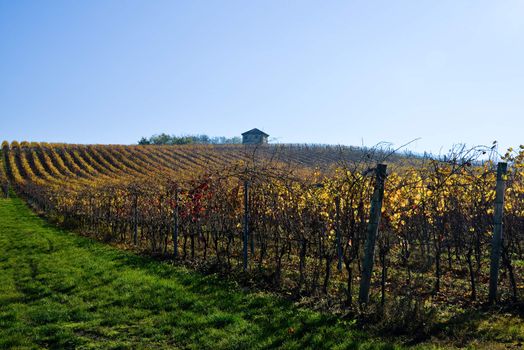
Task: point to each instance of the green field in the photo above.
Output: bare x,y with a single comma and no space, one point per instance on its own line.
60,290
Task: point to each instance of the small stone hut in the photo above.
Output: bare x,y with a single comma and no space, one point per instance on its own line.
254,137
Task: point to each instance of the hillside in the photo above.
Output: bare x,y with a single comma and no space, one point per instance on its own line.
43,160
302,222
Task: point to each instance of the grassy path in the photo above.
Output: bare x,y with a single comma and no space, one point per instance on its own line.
59,290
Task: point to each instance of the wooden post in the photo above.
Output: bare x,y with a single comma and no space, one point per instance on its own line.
372,230
246,223
251,236
135,220
337,228
175,226
496,245
5,170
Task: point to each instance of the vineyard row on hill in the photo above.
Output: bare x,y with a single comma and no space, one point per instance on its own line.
305,228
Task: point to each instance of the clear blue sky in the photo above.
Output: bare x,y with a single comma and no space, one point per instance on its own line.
339,72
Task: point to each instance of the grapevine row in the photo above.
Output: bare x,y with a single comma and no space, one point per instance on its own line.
307,227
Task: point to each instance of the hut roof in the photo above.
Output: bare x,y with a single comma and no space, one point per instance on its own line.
255,131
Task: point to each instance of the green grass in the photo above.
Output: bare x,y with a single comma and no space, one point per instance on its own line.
60,290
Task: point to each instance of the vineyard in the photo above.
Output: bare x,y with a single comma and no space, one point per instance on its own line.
298,219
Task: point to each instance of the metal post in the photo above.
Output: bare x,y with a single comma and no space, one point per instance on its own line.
175,226
135,220
496,245
337,228
246,223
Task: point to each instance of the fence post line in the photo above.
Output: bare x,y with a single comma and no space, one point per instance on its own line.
135,220
496,245
246,223
372,230
175,226
337,228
